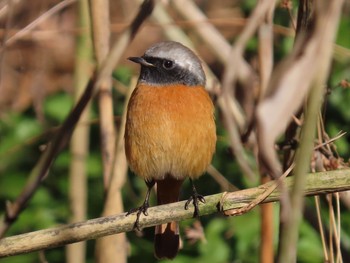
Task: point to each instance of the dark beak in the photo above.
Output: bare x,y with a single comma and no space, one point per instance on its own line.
141,60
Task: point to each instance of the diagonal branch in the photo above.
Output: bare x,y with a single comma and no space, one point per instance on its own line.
316,184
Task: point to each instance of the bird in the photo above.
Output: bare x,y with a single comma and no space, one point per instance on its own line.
170,132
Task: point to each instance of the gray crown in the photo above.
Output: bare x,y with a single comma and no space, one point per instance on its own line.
181,55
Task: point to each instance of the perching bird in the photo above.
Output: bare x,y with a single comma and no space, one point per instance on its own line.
170,132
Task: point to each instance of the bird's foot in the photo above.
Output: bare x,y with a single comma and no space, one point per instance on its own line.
139,210
143,208
195,198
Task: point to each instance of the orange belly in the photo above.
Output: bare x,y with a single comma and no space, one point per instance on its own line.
169,130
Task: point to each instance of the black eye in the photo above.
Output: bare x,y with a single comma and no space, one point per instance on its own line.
168,64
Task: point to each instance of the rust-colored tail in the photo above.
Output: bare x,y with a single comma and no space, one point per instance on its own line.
167,236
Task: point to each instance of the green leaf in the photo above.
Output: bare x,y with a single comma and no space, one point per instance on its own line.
343,38
57,107
17,130
309,245
123,74
216,248
94,165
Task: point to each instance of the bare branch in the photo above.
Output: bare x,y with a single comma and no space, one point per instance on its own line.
316,184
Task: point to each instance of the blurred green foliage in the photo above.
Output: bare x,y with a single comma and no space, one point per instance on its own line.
226,239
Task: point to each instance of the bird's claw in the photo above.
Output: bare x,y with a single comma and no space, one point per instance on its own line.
195,199
140,210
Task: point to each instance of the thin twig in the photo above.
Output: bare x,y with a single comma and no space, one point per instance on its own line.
320,226
340,134
235,138
332,228
339,255
221,180
260,198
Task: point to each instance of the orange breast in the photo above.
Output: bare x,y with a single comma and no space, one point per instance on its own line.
170,130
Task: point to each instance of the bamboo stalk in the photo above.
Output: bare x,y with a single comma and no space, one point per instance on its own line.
111,248
79,145
114,248
101,36
265,34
